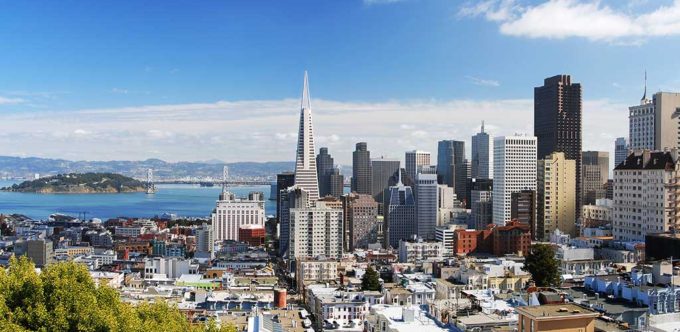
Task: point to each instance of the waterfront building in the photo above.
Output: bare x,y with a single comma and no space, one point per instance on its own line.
361,169
482,155
594,174
427,192
523,209
451,166
644,194
305,161
413,160
514,170
556,196
231,213
558,121
400,214
620,150
316,230
361,221
382,169
324,169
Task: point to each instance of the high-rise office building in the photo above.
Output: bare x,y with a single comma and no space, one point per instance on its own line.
400,214
556,196
336,183
361,215
291,198
305,161
482,155
481,203
645,193
361,169
316,230
620,150
594,175
557,123
426,204
284,181
446,199
653,124
514,170
413,160
523,209
382,169
231,213
324,168
451,165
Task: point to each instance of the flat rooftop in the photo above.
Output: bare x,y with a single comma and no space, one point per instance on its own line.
561,310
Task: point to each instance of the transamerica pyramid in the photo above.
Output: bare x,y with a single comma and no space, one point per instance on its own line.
305,159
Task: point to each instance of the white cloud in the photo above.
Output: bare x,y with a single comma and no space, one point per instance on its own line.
592,20
10,101
483,82
266,130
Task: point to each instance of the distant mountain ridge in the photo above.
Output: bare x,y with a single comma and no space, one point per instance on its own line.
19,167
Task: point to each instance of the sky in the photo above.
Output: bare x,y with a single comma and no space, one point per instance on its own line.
193,81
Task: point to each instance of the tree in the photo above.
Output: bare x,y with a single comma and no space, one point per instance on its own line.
65,298
543,265
371,280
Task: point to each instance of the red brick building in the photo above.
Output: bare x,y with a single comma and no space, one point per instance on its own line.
251,234
513,238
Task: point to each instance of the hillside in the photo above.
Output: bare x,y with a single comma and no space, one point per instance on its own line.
80,183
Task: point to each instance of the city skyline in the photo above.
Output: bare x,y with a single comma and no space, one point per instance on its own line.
127,101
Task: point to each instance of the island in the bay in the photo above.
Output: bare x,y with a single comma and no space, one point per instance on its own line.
80,183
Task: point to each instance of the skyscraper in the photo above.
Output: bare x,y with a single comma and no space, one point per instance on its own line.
480,199
482,155
382,169
337,183
400,214
620,150
556,196
413,160
451,166
653,125
514,170
291,198
557,123
316,230
523,209
361,213
284,181
426,204
305,162
231,213
361,169
324,168
594,174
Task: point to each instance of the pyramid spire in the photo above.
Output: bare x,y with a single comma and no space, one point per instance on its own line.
305,159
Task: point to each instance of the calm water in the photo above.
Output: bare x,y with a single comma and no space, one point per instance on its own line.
183,200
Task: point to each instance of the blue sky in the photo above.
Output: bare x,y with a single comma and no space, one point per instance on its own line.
187,80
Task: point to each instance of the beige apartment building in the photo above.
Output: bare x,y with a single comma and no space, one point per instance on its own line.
556,189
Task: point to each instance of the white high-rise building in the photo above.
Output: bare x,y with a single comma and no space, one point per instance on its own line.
644,194
482,155
415,159
204,242
305,158
641,125
232,212
426,204
316,231
514,170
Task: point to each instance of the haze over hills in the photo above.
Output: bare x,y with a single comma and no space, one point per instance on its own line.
17,167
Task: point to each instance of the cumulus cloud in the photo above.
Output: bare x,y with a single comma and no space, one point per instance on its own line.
592,20
266,130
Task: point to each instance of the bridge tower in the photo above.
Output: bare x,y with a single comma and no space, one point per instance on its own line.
150,186
225,175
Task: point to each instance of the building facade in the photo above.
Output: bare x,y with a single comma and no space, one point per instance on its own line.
400,214
620,150
556,196
231,213
382,169
316,231
427,192
514,170
324,169
305,161
451,165
413,160
594,175
482,155
361,215
523,209
361,169
644,194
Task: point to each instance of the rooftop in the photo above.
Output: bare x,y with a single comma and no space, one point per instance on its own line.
556,311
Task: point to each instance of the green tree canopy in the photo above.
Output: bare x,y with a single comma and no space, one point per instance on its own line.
371,280
543,265
65,298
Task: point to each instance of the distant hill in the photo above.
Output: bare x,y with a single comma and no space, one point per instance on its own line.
80,184
27,167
